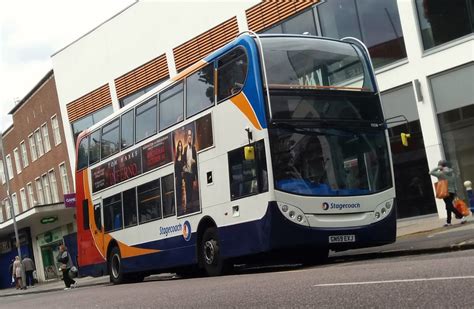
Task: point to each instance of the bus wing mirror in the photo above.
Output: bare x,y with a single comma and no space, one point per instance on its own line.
249,153
405,137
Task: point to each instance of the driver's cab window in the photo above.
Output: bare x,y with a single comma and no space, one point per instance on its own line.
231,73
247,176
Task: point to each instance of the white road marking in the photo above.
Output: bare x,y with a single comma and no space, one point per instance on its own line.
394,281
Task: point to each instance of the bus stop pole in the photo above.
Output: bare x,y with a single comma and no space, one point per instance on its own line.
12,212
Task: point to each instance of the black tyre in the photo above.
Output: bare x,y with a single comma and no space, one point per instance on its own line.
115,266
212,260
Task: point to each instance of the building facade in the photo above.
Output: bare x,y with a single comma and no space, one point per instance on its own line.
421,50
39,176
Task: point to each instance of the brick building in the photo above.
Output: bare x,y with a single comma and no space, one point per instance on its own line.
39,175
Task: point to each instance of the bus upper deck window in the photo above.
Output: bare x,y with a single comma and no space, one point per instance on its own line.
231,73
83,154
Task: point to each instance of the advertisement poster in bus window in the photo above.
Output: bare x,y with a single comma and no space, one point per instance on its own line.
156,153
117,170
187,141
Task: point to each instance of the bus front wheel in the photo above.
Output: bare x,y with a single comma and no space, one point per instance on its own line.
115,266
213,263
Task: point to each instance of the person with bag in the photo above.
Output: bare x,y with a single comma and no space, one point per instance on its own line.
66,265
446,188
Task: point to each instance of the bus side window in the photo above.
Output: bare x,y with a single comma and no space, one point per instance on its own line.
85,214
247,177
94,147
83,154
113,213
97,218
127,130
231,73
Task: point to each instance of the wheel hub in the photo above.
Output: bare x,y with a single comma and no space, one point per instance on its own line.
115,266
210,251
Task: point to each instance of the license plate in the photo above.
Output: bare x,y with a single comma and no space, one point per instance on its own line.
341,238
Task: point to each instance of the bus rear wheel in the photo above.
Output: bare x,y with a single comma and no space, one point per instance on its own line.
214,264
115,266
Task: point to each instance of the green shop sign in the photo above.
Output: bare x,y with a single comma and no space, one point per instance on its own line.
47,220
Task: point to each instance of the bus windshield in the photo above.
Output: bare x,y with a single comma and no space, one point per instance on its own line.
329,162
311,63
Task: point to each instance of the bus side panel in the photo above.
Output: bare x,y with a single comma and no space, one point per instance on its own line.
89,259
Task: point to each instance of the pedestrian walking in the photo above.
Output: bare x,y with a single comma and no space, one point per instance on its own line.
29,269
66,264
17,273
444,172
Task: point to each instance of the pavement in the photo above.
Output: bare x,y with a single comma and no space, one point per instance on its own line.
417,235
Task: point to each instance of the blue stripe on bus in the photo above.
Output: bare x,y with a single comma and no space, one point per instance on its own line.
272,232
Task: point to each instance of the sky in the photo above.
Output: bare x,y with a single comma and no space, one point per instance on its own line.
31,31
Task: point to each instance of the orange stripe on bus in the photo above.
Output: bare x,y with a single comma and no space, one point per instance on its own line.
102,240
189,70
243,104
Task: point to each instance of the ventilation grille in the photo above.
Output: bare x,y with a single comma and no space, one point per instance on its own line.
268,13
89,103
141,77
202,45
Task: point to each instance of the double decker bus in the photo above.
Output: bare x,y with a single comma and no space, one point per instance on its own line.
273,144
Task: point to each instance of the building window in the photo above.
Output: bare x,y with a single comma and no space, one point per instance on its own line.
149,201
44,131
145,120
56,132
2,173
24,202
86,122
9,167
54,186
16,155
7,209
113,213
375,22
16,208
110,138
64,178
46,189
39,143
171,106
31,140
2,219
31,197
441,22
200,90
39,191
24,154
303,23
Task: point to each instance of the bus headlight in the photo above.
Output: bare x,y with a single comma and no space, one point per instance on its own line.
293,213
383,210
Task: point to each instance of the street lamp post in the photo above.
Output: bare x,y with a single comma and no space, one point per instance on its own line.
12,211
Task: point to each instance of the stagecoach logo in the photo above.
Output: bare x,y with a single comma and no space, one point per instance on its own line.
187,231
339,206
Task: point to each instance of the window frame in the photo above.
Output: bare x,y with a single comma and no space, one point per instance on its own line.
183,103
46,142
23,199
56,130
102,138
54,189
39,142
154,97
132,112
34,153
31,196
16,156
39,190
9,167
24,154
216,66
66,188
185,90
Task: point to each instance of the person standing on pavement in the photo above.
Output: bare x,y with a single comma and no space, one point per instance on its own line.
66,264
17,273
444,171
29,268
